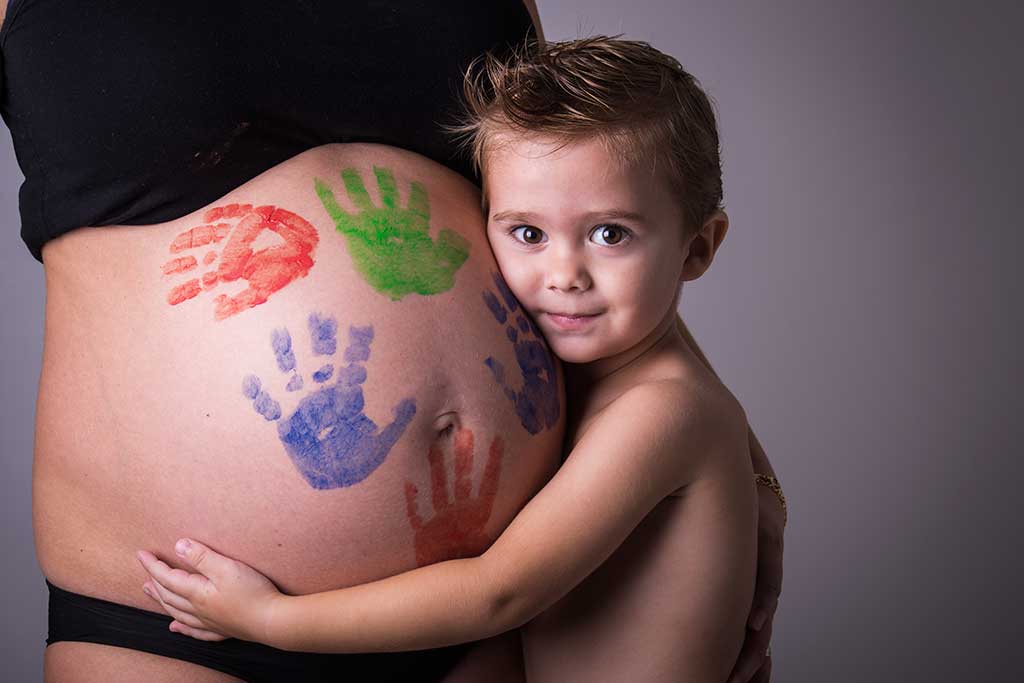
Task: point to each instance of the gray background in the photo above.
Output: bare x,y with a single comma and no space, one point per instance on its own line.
863,309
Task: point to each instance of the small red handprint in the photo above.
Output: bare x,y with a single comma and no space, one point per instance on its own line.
266,271
457,528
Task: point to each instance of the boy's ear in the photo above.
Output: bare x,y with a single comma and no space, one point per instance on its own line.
703,246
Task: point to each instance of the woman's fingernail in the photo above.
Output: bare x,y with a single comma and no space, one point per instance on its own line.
757,622
183,546
145,589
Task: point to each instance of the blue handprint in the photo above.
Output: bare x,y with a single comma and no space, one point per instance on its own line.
539,403
328,437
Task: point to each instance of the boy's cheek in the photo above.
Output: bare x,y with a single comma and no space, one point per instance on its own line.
511,267
519,277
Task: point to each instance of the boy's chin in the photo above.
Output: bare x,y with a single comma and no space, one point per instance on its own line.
576,350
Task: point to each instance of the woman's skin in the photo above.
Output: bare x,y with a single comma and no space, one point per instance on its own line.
138,397
664,559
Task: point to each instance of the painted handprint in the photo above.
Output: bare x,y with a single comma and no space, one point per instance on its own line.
328,437
457,527
538,403
266,271
391,247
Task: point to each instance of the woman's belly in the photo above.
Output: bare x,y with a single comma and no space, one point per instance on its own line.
312,387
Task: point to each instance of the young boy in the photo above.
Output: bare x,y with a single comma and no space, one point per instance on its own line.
602,188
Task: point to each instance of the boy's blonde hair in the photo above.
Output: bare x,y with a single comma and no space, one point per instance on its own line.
636,99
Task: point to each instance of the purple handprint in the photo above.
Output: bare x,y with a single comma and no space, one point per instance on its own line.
328,437
538,404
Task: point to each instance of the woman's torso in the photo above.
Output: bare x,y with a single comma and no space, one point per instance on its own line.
150,425
146,425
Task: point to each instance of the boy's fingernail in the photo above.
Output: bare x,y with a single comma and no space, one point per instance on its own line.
757,622
183,546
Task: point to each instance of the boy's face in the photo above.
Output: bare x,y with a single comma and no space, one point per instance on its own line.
593,248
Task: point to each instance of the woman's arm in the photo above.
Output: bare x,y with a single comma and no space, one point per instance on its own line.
625,463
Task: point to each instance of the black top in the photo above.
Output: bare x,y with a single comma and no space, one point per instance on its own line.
140,112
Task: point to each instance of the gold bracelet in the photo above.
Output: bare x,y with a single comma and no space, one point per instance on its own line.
773,485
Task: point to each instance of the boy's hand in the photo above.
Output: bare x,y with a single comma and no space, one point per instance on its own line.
226,598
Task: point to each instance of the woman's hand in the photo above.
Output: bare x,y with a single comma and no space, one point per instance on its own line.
226,598
754,663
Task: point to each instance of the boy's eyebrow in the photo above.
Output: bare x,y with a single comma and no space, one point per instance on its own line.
527,216
615,213
514,215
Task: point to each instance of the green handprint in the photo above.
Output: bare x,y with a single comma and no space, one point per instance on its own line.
390,246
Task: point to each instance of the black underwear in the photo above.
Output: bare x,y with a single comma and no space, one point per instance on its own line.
79,618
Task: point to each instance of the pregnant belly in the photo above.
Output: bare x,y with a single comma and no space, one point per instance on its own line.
319,374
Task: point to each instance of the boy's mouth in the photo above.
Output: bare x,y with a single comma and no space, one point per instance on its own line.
570,321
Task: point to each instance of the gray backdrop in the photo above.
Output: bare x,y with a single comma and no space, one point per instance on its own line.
863,309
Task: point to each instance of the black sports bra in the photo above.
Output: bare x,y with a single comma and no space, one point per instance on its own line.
139,112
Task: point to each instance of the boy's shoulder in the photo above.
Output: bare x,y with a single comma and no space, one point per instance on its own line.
685,405
682,406
694,414
680,428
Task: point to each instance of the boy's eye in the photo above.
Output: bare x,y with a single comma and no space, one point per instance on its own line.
609,235
527,234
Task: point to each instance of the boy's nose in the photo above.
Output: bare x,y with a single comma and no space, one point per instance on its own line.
568,273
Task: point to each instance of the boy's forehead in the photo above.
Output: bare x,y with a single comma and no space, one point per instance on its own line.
524,144
510,154
643,202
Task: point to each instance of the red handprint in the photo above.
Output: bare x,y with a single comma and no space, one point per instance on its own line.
457,528
266,271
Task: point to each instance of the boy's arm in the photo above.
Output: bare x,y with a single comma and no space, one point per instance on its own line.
628,460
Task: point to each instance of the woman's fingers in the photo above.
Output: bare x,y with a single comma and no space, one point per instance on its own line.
753,666
768,586
197,633
764,674
770,548
771,527
752,656
766,601
177,580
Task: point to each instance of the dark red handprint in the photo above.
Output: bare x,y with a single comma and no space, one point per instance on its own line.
266,270
457,527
